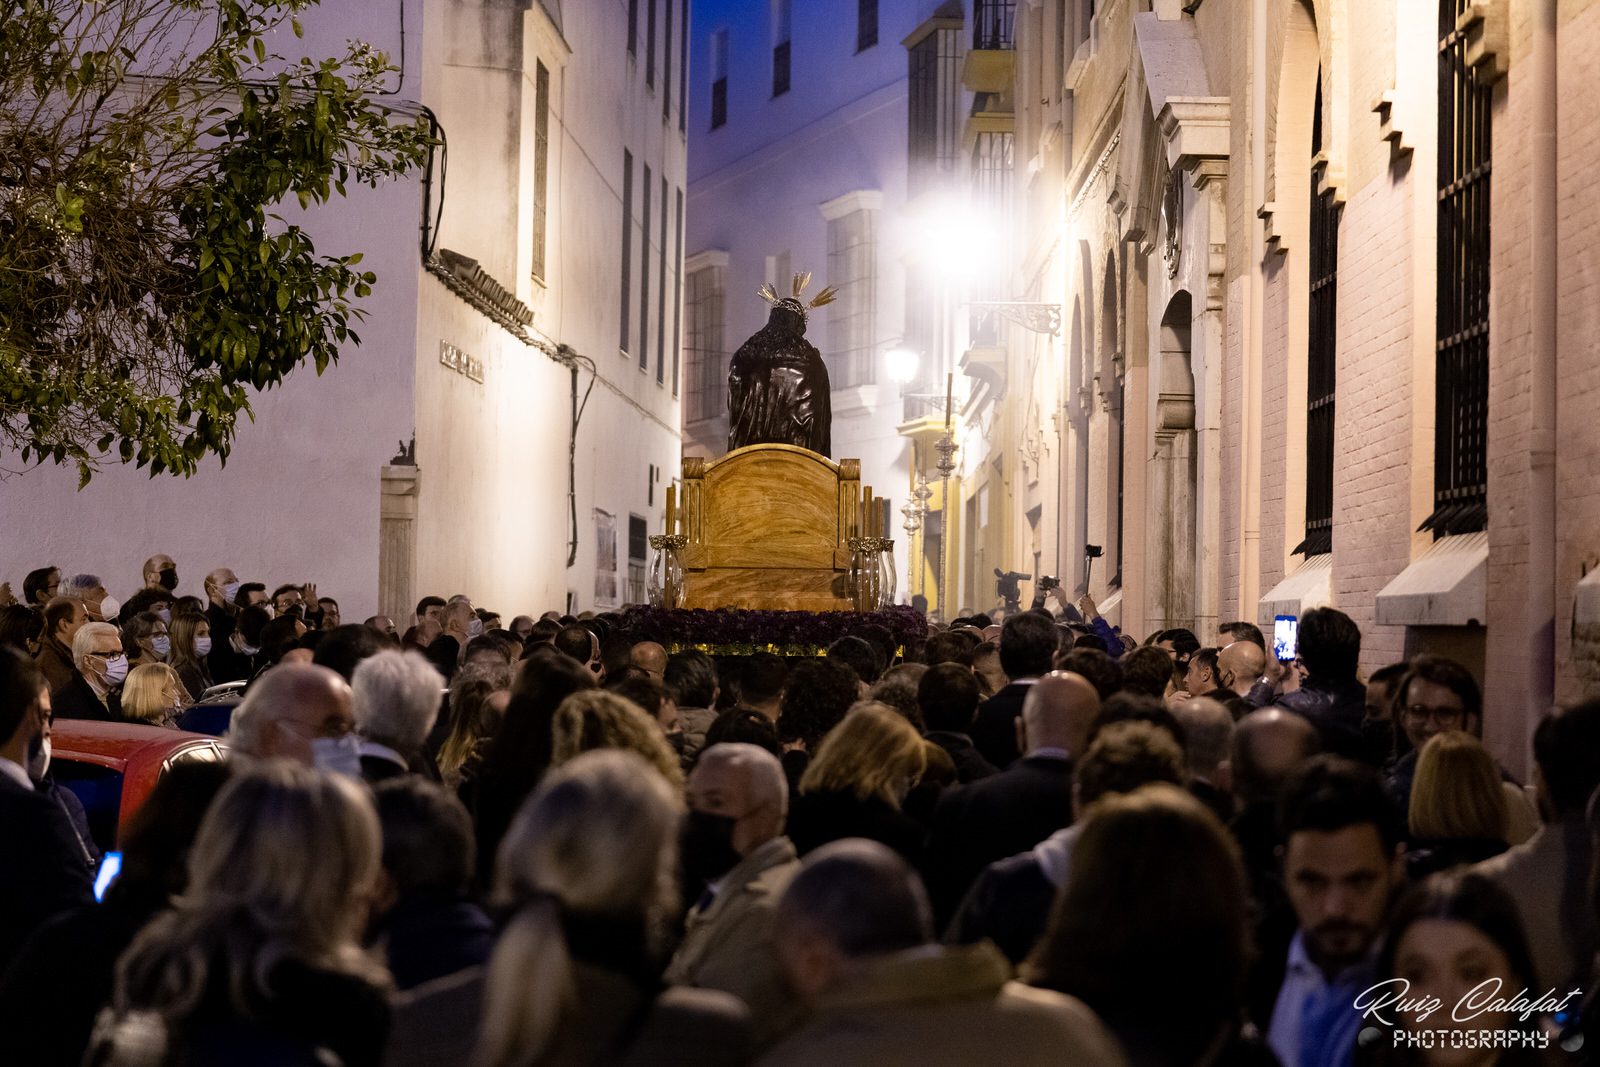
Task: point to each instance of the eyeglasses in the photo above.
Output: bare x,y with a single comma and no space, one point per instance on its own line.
113,654
1446,717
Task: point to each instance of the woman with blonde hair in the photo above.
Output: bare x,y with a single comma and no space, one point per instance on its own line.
191,644
261,953
596,718
153,695
857,781
478,696
589,872
1458,811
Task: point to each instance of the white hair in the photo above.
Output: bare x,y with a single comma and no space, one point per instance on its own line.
396,697
81,585
83,640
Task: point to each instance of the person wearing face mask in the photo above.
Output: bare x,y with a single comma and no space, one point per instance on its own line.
298,712
233,660
222,588
95,690
145,639
161,574
191,647
153,695
737,863
43,872
100,605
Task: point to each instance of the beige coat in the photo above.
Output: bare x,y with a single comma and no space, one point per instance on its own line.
728,946
1547,878
946,1007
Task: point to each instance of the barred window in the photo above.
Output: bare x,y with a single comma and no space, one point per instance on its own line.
994,24
644,275
780,47
934,108
677,290
853,318
661,293
1321,355
541,163
650,45
1460,456
706,372
627,250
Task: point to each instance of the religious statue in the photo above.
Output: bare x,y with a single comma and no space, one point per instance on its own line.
778,389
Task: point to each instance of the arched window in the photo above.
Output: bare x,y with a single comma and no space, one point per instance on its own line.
1321,351
1460,456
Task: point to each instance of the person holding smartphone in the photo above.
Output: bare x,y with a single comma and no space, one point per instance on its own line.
1330,695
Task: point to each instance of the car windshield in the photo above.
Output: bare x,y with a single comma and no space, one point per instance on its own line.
99,789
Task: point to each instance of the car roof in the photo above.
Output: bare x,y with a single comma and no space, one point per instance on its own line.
117,744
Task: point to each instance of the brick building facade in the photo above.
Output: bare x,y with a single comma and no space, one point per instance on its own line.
1261,397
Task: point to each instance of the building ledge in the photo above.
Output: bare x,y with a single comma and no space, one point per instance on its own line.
1448,585
1309,586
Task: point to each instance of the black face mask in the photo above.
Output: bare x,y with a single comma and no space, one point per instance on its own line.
168,578
708,851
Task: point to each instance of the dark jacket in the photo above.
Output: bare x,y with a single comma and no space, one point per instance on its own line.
1009,904
426,937
970,764
55,660
226,664
54,990
308,1010
1272,917
77,701
1430,857
1336,709
978,824
820,817
994,732
43,871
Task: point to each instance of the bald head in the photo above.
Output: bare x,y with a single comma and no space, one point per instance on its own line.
1207,735
1268,746
650,658
1059,710
745,783
289,707
1239,665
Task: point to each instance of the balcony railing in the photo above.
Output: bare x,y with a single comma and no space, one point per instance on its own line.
994,25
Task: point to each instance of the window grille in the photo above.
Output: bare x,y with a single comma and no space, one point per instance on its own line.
1460,457
853,317
993,24
866,24
1321,355
644,276
934,109
706,372
627,249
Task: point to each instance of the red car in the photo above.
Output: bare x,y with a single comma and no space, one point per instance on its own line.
113,766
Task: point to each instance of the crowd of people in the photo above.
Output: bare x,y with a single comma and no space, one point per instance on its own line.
1041,841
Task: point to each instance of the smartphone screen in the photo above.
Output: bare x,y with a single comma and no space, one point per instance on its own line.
1285,637
110,867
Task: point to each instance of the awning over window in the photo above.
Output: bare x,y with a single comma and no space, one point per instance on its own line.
1309,586
1448,585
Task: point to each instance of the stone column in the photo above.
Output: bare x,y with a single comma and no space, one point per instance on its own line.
397,543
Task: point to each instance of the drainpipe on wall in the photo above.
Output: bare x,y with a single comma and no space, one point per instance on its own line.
1542,405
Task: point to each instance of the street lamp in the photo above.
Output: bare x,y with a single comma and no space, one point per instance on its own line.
901,364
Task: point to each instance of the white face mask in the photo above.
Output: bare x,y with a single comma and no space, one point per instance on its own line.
230,591
475,627
39,760
116,670
165,615
109,607
162,646
337,755
202,646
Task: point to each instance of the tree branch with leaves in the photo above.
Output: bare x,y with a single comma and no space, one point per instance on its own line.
148,284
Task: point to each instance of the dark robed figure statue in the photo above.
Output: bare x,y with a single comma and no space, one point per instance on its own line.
778,389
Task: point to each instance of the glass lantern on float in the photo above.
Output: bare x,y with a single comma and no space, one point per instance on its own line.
666,571
887,580
863,578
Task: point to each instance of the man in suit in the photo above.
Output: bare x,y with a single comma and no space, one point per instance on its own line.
1027,651
1011,812
63,617
95,689
736,853
43,871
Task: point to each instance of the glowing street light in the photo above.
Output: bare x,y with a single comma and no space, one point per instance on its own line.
901,363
